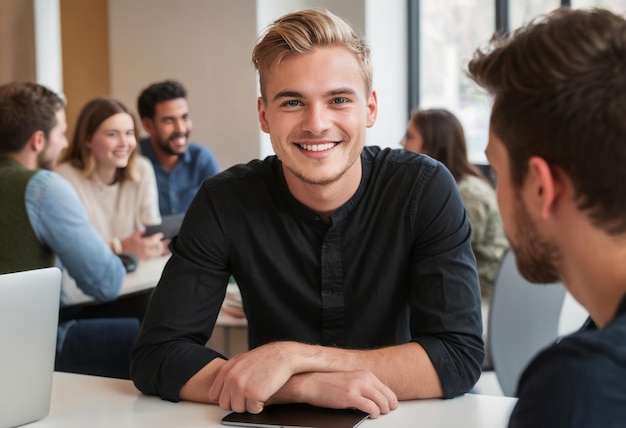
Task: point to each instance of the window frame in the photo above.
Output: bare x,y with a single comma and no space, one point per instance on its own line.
413,7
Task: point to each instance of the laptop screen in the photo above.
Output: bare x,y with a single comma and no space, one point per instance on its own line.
29,311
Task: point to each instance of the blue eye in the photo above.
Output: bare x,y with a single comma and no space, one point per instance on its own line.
292,103
340,100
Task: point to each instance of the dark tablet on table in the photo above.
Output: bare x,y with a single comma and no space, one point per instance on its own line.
169,227
297,416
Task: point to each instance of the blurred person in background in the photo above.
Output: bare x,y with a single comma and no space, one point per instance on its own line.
115,183
180,165
43,224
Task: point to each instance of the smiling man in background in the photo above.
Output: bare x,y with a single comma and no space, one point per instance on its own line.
180,166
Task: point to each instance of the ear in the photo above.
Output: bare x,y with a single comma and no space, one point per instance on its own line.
37,142
147,124
260,105
544,187
372,109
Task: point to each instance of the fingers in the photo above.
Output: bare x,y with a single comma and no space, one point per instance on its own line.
371,395
379,401
248,380
256,407
154,246
359,389
230,398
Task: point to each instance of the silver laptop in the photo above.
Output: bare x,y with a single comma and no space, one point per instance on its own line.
29,311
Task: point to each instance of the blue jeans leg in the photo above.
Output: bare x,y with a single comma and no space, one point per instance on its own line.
98,346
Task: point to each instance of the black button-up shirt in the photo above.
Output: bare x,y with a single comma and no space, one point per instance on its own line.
393,265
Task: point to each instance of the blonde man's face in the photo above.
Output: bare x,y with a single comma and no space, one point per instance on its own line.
316,111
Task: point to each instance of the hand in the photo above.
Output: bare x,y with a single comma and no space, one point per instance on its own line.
145,247
248,380
360,390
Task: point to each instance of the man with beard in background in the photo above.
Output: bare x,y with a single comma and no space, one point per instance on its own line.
44,224
180,166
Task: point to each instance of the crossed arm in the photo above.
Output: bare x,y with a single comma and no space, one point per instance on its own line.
372,381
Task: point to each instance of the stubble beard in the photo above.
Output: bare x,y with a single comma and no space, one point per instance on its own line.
165,144
537,259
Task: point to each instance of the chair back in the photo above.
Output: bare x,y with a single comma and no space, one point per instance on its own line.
523,319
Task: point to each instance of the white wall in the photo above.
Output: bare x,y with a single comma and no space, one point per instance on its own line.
204,44
207,46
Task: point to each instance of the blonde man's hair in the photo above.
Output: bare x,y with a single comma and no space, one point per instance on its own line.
302,31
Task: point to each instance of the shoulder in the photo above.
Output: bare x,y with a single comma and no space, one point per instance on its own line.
203,157
478,195
476,187
144,174
144,167
51,181
403,165
68,171
586,365
199,150
581,373
418,184
143,163
396,156
50,187
254,174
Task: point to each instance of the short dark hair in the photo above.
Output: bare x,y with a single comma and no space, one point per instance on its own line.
559,91
25,108
157,93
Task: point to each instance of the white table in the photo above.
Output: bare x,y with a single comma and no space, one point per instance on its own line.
146,276
88,401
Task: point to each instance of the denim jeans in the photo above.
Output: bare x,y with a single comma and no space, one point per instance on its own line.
96,346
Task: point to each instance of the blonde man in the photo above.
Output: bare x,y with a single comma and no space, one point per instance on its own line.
354,263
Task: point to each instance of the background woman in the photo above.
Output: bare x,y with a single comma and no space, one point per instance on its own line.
116,184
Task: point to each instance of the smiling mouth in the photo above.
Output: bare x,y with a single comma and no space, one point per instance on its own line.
317,147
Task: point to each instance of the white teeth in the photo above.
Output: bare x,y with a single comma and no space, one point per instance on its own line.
318,147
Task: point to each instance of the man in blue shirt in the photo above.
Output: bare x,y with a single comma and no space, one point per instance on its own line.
180,166
558,144
43,223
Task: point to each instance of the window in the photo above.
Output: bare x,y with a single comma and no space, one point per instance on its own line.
617,6
443,36
522,12
450,31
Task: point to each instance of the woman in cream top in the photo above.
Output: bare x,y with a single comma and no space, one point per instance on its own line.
116,185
